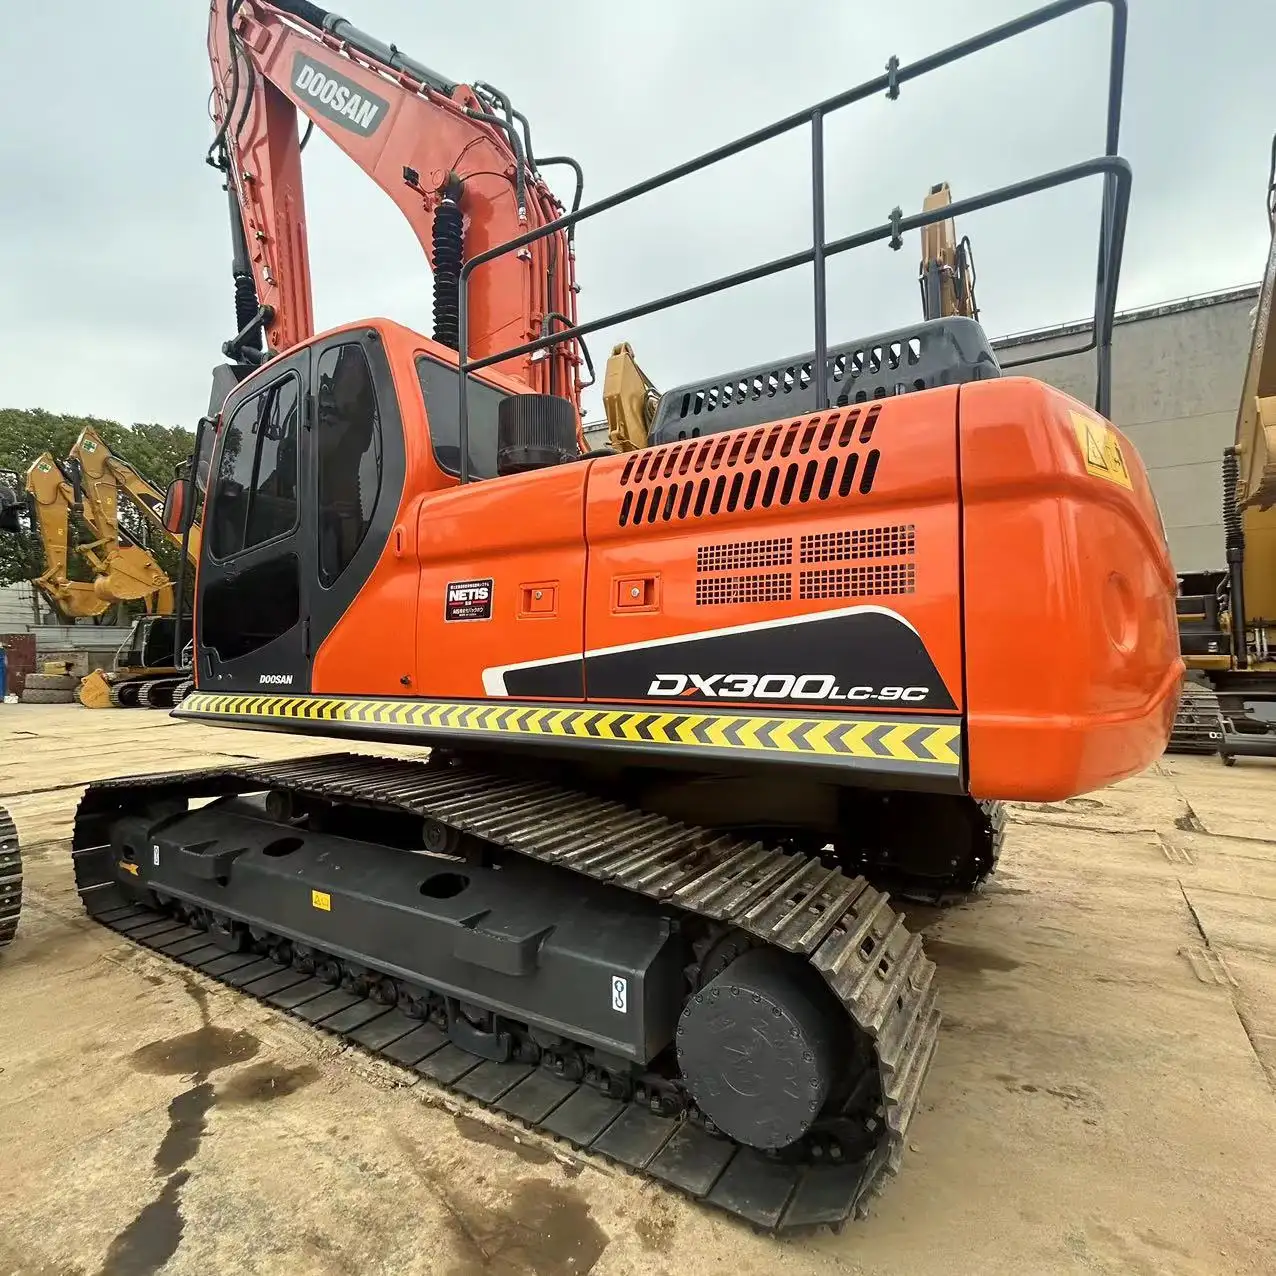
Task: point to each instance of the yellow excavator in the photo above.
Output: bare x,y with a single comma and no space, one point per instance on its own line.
122,572
92,483
148,671
1227,619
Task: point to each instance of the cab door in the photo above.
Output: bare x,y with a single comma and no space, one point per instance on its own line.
256,572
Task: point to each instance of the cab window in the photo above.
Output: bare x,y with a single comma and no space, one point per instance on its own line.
255,486
439,388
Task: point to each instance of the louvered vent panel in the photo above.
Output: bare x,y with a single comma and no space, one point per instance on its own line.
739,555
764,587
858,582
817,458
895,541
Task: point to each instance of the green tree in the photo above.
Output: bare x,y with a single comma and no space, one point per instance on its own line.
153,450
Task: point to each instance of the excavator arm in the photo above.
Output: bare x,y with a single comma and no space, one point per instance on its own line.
105,478
455,159
947,273
52,500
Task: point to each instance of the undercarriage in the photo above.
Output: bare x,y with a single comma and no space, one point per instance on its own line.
1198,724
599,971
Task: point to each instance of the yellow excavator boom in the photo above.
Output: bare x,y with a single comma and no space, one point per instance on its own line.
629,400
1255,453
947,273
105,478
1256,420
53,501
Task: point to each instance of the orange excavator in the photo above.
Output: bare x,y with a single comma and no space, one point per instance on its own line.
690,709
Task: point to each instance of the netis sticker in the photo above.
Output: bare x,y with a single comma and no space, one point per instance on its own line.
469,600
336,97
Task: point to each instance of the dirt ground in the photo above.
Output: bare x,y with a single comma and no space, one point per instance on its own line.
1101,1100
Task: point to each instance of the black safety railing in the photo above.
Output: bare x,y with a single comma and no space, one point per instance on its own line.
1112,217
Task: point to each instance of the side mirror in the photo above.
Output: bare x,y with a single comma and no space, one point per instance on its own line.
176,502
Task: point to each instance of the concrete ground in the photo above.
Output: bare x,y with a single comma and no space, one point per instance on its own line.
1101,1101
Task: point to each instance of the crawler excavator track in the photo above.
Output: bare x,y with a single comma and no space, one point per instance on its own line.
764,923
1198,724
10,879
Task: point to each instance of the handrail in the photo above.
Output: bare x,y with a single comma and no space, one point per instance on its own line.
1112,218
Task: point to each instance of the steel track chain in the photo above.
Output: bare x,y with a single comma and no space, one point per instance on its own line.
1198,723
10,878
842,926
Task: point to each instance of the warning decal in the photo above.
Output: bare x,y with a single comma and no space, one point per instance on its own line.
1100,449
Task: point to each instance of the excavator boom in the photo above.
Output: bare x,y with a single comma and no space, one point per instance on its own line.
947,273
52,502
455,159
106,478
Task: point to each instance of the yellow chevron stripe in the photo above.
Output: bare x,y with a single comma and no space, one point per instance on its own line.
896,742
826,736
748,733
942,744
854,743
606,725
817,740
660,728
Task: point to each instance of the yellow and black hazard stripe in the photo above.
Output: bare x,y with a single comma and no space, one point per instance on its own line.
933,743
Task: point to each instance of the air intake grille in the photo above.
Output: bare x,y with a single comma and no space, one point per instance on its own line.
861,542
785,463
736,555
858,582
764,587
897,541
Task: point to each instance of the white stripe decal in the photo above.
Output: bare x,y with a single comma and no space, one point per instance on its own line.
494,677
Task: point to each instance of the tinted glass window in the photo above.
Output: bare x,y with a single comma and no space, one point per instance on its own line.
258,605
255,498
348,440
200,470
439,388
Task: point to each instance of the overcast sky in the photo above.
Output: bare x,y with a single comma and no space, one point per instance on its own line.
115,291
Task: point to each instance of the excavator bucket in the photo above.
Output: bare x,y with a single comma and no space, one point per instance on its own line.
94,692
